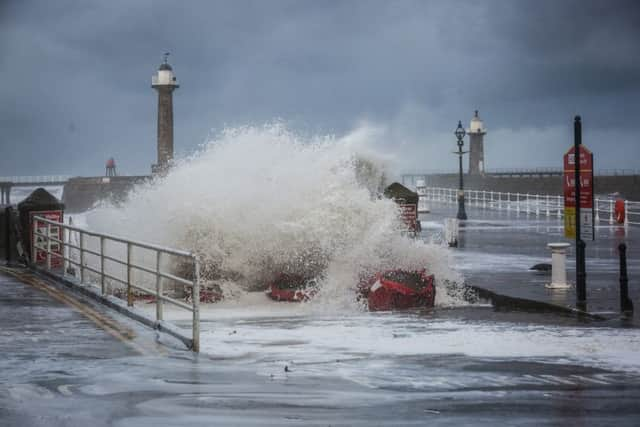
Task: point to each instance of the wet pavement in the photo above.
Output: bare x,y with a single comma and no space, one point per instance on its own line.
70,362
498,248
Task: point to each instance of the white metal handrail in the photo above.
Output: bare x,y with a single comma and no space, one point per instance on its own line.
35,179
538,204
43,241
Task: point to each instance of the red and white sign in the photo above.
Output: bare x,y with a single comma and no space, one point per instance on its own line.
409,215
586,193
50,230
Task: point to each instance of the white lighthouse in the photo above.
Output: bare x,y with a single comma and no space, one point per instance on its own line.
165,83
476,134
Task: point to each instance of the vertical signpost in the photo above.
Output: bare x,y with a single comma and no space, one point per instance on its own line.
578,205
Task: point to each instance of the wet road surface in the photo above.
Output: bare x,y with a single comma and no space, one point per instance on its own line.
62,368
497,249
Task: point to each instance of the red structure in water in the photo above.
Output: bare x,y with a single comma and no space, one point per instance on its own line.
398,290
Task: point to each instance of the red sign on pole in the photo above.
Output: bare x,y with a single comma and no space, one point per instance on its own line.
50,230
586,193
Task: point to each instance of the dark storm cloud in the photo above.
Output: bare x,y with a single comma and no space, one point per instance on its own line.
76,76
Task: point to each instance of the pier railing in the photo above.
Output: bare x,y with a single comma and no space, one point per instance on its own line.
40,180
107,260
533,204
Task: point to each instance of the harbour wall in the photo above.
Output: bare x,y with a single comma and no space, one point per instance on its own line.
80,194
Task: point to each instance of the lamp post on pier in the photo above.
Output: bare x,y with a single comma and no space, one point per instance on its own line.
460,133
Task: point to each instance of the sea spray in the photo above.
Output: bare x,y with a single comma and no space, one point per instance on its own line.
259,200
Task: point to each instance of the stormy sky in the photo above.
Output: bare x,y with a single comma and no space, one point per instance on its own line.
76,77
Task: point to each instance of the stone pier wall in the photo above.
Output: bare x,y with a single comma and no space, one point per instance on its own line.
81,194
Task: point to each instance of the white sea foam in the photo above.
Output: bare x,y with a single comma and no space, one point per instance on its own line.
258,200
317,342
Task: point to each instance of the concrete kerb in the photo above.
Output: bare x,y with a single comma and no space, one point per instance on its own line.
118,305
504,302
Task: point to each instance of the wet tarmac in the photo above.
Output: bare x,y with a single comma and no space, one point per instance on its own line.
498,248
73,363
62,368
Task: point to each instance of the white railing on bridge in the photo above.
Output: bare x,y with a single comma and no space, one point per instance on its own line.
41,179
112,262
533,204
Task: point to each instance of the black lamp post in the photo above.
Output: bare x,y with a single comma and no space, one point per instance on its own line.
460,133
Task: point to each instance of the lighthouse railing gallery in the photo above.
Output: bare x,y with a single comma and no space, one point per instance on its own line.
532,204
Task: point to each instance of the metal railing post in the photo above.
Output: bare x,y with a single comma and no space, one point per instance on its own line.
48,246
626,214
81,257
196,305
560,204
158,287
537,205
508,201
610,211
597,207
517,202
102,287
548,213
65,250
129,289
69,240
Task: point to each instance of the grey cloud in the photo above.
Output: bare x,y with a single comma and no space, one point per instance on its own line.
79,74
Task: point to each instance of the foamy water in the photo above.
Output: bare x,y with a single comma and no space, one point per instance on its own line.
379,349
257,201
260,200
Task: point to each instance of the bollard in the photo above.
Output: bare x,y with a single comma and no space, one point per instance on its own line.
626,306
451,231
558,266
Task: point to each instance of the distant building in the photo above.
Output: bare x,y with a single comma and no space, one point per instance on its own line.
476,134
165,83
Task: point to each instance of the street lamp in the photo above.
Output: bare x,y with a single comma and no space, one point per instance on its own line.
460,133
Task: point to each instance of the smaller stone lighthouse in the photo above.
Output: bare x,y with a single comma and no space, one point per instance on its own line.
476,134
165,83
